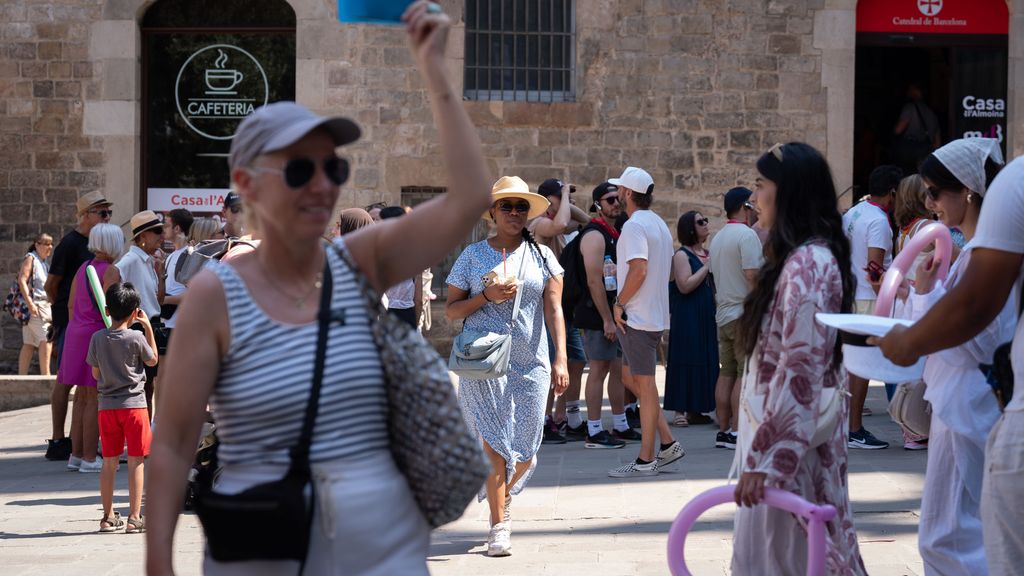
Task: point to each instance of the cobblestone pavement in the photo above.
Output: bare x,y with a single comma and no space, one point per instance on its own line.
571,519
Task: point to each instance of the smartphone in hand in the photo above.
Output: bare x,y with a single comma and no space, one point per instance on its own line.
875,272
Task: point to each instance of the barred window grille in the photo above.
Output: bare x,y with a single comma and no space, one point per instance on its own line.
520,50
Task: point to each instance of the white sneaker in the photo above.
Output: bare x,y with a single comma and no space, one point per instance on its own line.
74,463
91,467
671,454
499,542
635,470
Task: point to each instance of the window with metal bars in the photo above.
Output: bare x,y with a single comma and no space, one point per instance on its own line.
520,50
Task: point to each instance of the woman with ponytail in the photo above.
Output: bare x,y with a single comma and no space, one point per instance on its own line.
508,413
791,361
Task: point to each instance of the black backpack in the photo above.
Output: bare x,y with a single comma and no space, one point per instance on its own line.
577,304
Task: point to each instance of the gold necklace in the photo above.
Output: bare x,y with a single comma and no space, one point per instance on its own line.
300,301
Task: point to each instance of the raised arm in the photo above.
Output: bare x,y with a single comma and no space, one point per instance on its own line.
200,341
686,280
545,227
398,249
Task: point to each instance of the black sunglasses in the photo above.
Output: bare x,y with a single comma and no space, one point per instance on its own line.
703,222
298,172
102,213
934,193
612,200
520,207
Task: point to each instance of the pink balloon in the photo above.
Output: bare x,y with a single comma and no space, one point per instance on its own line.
934,232
815,515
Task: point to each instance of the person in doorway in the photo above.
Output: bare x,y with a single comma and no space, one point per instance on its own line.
73,249
554,228
641,312
734,257
31,282
106,243
692,369
916,132
869,232
993,275
405,299
964,410
793,360
143,267
593,314
483,288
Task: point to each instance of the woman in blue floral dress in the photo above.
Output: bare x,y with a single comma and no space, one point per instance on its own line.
508,413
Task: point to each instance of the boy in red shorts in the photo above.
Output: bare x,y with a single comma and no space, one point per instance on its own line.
117,356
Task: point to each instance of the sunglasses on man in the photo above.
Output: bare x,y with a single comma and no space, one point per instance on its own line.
611,199
298,172
520,207
102,213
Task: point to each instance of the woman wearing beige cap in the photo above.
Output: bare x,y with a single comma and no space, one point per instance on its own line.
245,337
142,267
483,290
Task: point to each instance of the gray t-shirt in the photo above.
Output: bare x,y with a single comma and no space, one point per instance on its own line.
120,355
734,249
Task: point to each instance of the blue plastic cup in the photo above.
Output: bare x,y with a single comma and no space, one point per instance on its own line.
372,11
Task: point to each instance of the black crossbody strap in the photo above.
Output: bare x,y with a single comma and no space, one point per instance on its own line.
300,453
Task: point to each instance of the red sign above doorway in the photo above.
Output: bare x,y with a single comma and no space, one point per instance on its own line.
933,16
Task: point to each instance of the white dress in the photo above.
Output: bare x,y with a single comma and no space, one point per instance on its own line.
964,410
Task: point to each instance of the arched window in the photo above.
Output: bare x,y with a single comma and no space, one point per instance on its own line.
205,66
520,50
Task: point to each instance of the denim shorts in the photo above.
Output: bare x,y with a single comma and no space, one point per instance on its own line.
573,345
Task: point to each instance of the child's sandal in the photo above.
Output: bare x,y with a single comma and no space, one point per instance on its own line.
135,526
112,523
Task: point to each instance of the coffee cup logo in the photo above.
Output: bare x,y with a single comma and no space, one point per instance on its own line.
217,87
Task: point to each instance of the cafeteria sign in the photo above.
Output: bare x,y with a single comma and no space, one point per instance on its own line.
217,87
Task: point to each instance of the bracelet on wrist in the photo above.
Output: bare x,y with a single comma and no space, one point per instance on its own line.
484,294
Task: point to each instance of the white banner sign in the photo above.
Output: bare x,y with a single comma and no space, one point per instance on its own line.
193,199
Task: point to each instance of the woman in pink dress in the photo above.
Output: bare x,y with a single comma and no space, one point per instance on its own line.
793,361
106,242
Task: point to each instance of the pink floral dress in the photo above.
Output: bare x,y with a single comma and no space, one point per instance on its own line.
791,364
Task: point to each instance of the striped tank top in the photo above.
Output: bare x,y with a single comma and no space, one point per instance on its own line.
260,397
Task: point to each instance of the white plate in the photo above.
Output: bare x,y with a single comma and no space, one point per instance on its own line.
863,324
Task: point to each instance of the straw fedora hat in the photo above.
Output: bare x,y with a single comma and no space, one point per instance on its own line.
145,220
515,187
91,200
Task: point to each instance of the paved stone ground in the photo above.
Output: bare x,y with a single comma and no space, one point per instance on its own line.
572,518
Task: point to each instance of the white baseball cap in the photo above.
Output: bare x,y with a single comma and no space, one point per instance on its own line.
636,179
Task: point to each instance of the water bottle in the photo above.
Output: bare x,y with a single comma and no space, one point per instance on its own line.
611,283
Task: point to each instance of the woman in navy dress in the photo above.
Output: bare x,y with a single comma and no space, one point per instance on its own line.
693,339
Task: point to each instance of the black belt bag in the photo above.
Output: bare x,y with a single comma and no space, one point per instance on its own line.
269,521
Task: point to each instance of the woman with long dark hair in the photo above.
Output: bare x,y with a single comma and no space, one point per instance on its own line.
693,338
792,361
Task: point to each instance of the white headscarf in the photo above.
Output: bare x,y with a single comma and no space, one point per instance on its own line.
965,159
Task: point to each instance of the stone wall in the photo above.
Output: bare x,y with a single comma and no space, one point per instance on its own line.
46,161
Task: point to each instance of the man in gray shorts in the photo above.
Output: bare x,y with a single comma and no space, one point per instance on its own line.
641,313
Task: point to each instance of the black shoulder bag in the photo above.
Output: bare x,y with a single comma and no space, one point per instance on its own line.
1000,373
269,521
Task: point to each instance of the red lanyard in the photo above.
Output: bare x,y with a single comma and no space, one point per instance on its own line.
610,230
879,206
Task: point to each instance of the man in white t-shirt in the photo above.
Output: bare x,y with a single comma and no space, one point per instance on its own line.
176,228
870,234
735,256
995,269
644,257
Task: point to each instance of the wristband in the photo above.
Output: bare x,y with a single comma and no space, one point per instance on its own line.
484,294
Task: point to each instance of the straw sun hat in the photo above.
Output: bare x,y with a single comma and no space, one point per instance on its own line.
515,187
145,220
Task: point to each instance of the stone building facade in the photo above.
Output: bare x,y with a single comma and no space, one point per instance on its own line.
691,90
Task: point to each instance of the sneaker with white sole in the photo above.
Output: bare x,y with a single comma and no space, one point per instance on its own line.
865,440
603,440
74,463
635,470
499,541
671,454
91,467
725,440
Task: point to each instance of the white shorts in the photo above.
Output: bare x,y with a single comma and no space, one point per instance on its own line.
34,333
365,523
